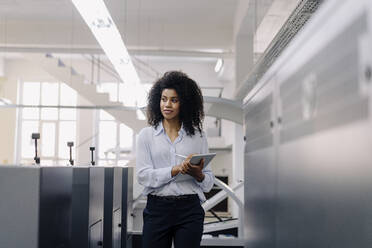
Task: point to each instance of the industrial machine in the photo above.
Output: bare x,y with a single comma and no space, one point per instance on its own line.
69,206
308,132
118,196
36,206
100,197
87,206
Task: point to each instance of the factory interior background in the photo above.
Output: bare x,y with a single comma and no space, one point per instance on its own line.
287,96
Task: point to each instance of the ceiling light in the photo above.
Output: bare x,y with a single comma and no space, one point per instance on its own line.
97,17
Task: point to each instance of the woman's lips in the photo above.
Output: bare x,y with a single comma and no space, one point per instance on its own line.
167,111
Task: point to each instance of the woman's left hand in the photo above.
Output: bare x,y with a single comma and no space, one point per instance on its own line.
194,170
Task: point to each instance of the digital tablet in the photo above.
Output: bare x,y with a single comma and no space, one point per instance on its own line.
195,159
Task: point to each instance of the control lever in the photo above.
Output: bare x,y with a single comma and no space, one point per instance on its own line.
71,144
92,148
36,136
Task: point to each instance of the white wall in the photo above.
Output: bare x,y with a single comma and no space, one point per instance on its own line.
85,133
8,89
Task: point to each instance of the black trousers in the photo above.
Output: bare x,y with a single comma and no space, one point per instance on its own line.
175,219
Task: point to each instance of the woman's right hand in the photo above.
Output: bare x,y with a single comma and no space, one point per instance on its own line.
181,168
193,170
185,164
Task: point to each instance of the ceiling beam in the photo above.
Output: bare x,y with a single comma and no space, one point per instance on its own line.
91,50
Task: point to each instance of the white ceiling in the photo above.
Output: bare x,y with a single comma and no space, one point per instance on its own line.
186,35
164,24
185,29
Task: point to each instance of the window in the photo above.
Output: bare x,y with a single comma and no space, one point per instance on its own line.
56,126
115,140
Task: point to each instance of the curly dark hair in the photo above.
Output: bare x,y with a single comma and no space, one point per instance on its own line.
191,114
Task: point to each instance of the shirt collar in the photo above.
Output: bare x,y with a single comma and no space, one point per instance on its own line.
158,130
182,130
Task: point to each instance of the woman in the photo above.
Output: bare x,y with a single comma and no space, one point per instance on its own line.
173,211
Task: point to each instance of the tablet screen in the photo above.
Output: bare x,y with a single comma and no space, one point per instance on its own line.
196,159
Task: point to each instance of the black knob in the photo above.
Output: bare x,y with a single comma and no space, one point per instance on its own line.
245,138
100,243
35,135
279,120
119,225
271,124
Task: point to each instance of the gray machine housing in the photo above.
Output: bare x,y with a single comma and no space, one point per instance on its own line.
87,207
55,206
118,195
35,210
308,130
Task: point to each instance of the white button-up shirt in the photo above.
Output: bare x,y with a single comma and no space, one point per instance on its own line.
156,155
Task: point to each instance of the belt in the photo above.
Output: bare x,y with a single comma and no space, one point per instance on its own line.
173,197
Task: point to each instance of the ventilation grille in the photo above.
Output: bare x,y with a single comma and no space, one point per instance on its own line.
302,13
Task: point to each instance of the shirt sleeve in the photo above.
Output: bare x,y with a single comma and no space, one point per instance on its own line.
146,174
207,184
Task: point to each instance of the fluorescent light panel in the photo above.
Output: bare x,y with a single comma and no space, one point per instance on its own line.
97,17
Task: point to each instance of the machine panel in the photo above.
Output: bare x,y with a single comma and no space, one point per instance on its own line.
324,154
88,200
324,92
36,205
20,187
55,207
260,169
310,185
95,235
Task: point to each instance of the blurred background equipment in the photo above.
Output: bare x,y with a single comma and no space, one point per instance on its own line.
91,153
70,145
36,136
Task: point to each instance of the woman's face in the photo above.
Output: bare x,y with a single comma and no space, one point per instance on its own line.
169,104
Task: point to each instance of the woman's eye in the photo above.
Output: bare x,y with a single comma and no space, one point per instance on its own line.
174,100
